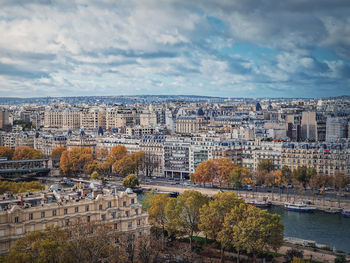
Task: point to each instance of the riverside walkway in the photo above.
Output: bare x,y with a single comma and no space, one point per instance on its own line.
274,198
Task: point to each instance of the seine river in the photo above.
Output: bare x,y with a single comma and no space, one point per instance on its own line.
328,229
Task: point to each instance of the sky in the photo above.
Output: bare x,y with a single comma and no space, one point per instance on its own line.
228,48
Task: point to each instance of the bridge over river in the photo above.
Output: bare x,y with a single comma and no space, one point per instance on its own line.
12,169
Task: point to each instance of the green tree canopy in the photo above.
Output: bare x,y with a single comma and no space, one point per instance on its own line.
131,181
183,213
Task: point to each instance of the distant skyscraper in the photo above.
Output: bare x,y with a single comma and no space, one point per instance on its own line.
336,128
4,118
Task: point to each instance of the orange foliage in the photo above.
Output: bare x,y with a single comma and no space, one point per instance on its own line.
26,153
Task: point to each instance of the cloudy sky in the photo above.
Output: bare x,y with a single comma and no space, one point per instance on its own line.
248,48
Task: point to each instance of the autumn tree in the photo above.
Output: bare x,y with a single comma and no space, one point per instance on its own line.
124,166
65,163
76,160
183,213
212,215
340,180
26,153
57,152
157,211
20,187
287,177
117,153
266,166
303,174
94,175
251,229
6,152
137,159
224,168
101,155
50,245
150,163
130,181
205,172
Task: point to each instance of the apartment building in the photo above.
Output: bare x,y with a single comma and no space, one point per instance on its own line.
176,158
153,147
325,158
25,213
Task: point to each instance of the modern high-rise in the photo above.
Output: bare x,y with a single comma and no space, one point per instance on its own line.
336,128
4,118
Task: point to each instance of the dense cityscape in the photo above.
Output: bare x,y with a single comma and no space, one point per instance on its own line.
174,131
286,152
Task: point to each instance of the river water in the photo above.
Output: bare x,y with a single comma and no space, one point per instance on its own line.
328,229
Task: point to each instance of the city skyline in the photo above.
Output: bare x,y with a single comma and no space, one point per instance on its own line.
222,49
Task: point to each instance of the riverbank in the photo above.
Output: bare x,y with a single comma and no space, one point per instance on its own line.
322,204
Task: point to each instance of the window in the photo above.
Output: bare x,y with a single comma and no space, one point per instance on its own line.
130,225
133,201
115,226
67,222
42,214
54,212
136,211
88,219
87,208
138,222
103,217
127,213
100,207
65,211
114,215
76,209
124,203
16,219
140,234
109,204
31,216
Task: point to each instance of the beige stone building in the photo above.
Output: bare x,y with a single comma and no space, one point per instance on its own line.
25,213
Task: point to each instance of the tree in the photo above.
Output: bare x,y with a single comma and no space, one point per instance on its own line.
340,180
137,159
205,172
266,166
101,155
131,181
302,174
20,187
65,163
150,163
6,152
94,175
293,253
50,245
146,200
251,229
57,152
212,215
26,153
224,168
77,160
117,153
183,213
124,166
157,211
287,175
340,258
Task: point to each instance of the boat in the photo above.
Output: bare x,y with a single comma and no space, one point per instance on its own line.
299,207
331,210
257,203
345,213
